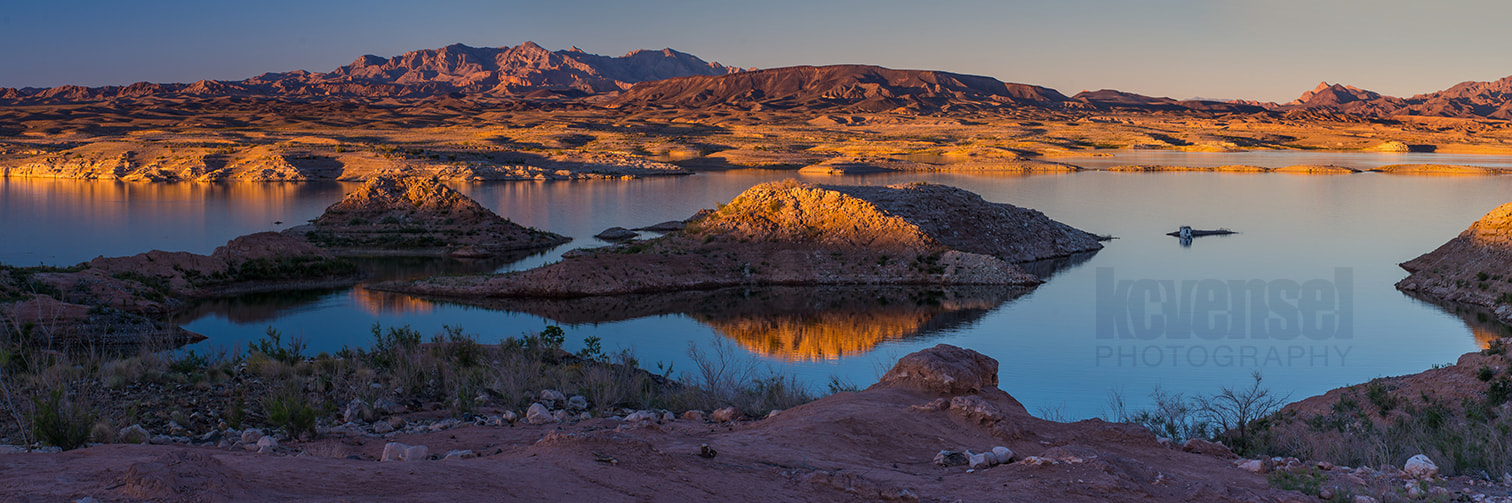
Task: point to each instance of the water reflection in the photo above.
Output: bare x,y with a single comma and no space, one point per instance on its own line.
790,323
1484,326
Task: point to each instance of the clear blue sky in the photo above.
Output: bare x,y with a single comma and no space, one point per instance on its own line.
1254,49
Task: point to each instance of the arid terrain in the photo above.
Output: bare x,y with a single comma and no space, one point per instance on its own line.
453,419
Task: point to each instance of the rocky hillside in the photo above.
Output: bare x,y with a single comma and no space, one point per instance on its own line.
1489,100
395,215
1473,268
525,69
791,233
857,88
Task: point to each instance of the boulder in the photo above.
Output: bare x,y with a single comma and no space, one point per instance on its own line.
136,434
267,445
1420,467
1206,448
539,414
460,454
726,415
553,398
951,458
395,451
943,369
693,415
577,403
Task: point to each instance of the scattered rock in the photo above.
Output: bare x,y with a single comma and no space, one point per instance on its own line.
726,415
395,451
1254,466
251,435
1420,467
459,454
773,413
388,407
641,416
1360,498
997,456
539,414
357,410
577,403
951,458
616,234
383,427
11,449
510,416
693,415
136,434
706,452
1206,448
267,445
552,398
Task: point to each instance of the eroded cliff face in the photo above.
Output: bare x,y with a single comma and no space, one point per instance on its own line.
417,216
791,233
1473,268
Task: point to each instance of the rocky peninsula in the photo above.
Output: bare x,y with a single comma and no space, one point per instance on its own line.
124,301
417,216
792,233
1473,268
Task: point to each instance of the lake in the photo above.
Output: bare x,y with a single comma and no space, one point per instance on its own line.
1303,293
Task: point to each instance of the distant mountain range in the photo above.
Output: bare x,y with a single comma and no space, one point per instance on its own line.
672,79
526,70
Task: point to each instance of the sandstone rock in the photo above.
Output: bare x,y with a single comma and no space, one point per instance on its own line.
976,409
561,416
388,407
773,413
510,416
943,369
383,427
460,454
616,234
1253,466
1413,490
726,415
1420,467
136,434
693,415
1206,448
997,456
642,416
395,451
539,414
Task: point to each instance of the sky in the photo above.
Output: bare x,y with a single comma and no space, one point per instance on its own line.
1269,50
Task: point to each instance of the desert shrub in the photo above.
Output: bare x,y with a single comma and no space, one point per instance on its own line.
271,345
1308,481
290,409
59,422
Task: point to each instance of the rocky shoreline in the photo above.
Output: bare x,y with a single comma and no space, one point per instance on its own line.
1473,268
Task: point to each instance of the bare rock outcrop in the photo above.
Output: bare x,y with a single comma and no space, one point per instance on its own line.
943,369
396,215
1473,268
791,233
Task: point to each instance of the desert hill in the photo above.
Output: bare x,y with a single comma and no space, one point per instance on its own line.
497,71
859,88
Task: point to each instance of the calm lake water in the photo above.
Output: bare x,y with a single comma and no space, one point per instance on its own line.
1303,293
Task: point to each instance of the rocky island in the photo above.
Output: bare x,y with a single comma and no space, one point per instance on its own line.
792,233
1473,268
417,216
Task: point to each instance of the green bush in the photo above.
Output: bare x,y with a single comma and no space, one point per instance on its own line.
290,409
